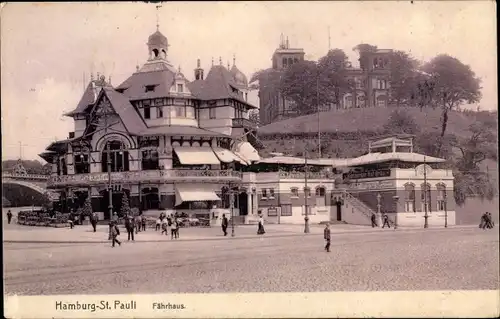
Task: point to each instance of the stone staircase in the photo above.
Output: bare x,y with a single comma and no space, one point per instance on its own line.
358,204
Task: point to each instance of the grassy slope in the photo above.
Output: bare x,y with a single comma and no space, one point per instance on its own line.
369,120
366,119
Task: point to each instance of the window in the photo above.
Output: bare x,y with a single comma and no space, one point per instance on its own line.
284,62
320,196
150,160
426,197
294,192
307,192
441,197
211,113
410,198
146,104
286,210
320,191
180,88
159,112
271,193
118,156
150,88
180,111
264,193
82,165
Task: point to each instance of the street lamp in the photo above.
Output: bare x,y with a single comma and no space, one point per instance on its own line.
426,216
396,200
445,211
306,194
232,212
379,217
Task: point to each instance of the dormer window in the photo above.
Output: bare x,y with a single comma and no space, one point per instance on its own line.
150,88
180,88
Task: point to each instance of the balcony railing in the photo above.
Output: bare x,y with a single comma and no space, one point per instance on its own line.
25,176
153,176
301,175
244,123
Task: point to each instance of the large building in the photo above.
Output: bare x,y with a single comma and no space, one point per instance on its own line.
370,83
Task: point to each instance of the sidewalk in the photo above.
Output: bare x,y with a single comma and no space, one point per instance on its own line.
84,234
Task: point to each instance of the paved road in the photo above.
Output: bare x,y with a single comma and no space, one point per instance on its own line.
411,260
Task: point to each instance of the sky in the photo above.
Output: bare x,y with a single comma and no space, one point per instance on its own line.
49,49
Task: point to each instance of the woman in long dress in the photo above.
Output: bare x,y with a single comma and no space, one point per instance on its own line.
261,230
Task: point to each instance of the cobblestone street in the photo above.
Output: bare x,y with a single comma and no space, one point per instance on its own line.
461,258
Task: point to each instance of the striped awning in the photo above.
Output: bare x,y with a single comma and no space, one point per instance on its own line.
228,156
194,193
196,155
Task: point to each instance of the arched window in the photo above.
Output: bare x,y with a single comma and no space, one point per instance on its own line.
294,192
441,197
155,53
348,102
410,198
118,156
425,197
285,62
381,100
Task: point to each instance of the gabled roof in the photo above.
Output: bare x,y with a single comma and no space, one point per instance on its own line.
217,85
87,97
135,86
132,121
372,158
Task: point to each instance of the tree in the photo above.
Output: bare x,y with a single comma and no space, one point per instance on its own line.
333,70
364,50
87,207
404,77
125,209
427,143
304,85
400,122
454,84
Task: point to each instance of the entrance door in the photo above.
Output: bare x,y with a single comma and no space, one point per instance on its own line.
243,204
339,211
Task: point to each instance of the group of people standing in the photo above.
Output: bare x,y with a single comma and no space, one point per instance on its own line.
164,222
486,221
135,224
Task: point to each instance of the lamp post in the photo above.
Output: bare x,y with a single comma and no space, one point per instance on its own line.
306,218
426,216
231,194
110,189
445,211
379,217
396,200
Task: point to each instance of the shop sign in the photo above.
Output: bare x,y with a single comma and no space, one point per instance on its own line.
368,174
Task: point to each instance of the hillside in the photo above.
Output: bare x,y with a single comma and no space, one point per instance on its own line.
368,120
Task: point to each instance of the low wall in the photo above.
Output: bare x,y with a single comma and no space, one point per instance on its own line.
417,219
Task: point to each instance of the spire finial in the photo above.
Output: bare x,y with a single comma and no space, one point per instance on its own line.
212,61
179,69
198,63
234,59
220,60
158,17
109,80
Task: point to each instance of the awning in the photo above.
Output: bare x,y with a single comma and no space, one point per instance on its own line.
196,155
194,193
227,156
246,151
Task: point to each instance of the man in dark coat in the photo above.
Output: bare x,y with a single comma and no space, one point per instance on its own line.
93,221
224,224
326,235
374,220
386,221
129,226
143,222
9,216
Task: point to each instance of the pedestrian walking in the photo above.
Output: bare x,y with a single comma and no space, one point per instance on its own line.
173,229
260,230
386,221
164,227
143,222
483,222
129,226
326,235
158,224
93,221
489,220
177,227
374,220
115,232
9,216
224,224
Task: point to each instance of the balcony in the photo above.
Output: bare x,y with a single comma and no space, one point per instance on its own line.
244,123
153,176
301,175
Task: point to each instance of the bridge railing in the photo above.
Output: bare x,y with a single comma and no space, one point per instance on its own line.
25,176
